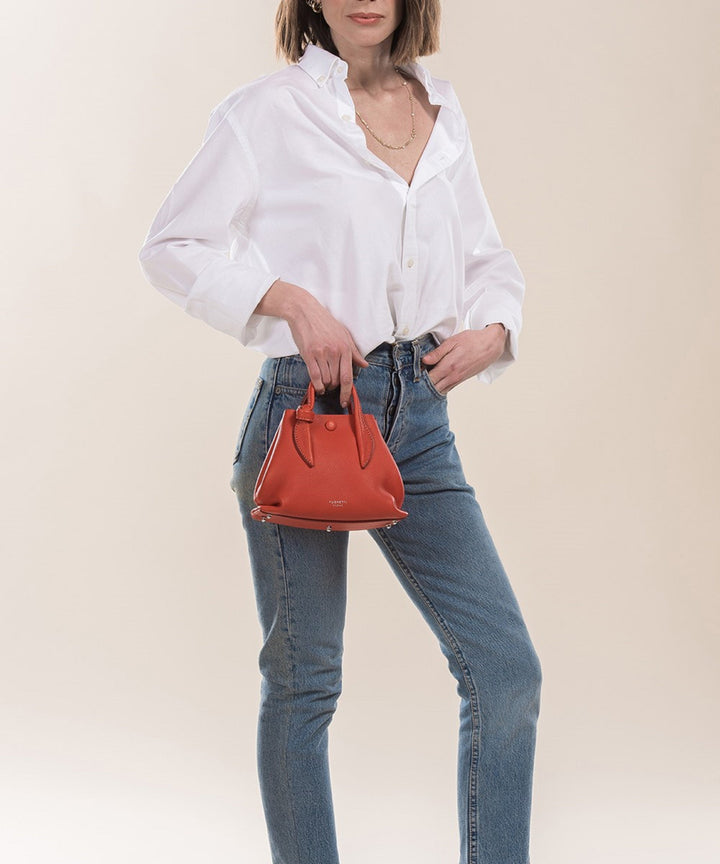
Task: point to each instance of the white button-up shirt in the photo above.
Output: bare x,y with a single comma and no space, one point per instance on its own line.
285,187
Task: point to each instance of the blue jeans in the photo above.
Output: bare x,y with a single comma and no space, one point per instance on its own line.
446,560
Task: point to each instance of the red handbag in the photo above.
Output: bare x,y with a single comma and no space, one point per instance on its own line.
330,472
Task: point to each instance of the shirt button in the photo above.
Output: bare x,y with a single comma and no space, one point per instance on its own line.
347,117
411,262
404,331
321,79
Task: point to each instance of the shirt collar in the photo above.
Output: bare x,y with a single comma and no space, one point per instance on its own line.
322,65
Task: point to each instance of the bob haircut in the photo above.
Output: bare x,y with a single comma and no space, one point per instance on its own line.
417,35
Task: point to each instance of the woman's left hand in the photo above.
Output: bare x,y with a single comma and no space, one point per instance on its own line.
464,355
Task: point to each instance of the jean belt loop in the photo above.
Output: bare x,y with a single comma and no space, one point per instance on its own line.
416,359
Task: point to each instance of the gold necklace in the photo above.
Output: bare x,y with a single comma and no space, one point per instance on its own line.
412,115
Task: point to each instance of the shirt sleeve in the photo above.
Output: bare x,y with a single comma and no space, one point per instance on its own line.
198,252
494,283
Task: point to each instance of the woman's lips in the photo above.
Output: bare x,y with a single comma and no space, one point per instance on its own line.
365,19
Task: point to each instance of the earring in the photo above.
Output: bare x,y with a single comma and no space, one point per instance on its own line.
315,5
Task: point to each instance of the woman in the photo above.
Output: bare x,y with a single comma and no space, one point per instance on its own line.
333,219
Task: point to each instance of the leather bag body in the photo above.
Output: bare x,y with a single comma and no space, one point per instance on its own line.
329,472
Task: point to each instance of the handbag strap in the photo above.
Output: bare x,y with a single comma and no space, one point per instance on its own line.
305,416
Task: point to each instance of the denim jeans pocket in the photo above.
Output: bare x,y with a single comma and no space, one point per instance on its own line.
246,418
431,387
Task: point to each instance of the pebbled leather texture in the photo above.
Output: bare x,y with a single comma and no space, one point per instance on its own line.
329,472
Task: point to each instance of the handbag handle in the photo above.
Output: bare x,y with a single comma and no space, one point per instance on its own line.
305,417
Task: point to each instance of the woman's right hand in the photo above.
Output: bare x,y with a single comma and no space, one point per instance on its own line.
326,345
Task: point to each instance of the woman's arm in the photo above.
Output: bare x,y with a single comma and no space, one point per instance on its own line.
186,253
494,290
186,257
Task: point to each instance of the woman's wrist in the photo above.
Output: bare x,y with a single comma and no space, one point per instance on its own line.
284,300
502,335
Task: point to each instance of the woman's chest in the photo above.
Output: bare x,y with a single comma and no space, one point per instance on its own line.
316,162
398,134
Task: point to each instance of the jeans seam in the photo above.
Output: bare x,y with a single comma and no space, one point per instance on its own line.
254,396
395,426
474,701
288,616
293,679
268,411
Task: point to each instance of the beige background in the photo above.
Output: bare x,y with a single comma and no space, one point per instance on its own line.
129,672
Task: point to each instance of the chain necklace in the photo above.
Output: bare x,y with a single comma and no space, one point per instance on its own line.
412,115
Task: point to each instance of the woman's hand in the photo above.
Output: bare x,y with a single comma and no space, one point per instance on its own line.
326,345
464,355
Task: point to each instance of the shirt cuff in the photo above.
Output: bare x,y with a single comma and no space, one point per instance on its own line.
225,295
477,320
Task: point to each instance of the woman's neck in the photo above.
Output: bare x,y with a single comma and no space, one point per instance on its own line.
369,69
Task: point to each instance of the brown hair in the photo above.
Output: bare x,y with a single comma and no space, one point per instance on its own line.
417,35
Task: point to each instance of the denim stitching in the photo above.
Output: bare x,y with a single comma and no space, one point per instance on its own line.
399,423
432,388
416,360
268,414
288,618
268,411
474,702
389,359
377,361
396,420
257,387
293,671
290,391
